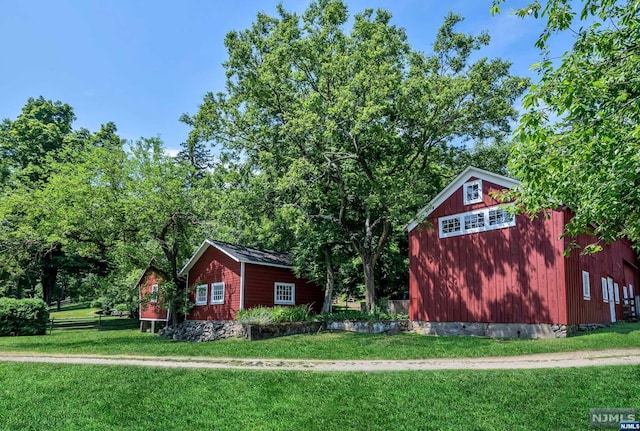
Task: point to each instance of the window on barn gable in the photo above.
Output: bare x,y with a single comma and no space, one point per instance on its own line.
475,221
499,216
586,286
217,293
154,293
284,293
201,294
472,192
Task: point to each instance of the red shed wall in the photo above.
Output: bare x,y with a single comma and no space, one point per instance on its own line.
259,287
509,275
149,310
212,267
617,260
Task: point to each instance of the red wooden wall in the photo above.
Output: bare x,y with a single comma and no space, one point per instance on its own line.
215,266
149,310
509,275
259,287
610,262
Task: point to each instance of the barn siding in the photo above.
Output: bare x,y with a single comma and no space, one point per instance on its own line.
506,275
148,310
260,283
609,262
215,266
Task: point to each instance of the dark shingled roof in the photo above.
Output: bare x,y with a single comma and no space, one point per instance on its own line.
252,255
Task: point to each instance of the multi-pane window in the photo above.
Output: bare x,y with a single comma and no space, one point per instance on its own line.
499,216
217,293
472,192
284,293
616,292
201,294
605,290
154,293
586,286
473,221
450,225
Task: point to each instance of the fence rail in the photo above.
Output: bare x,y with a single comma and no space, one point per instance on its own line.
98,322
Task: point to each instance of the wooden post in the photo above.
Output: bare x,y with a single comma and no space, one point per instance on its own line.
153,326
99,320
50,325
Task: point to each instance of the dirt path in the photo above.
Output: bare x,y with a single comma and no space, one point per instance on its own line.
546,360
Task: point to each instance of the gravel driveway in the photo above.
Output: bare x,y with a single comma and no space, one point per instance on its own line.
546,360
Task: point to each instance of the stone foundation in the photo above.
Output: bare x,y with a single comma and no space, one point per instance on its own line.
204,330
494,330
367,327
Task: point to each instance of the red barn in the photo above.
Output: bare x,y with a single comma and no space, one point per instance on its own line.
149,310
225,278
475,268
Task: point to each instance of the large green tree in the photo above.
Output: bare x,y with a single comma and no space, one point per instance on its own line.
354,126
578,144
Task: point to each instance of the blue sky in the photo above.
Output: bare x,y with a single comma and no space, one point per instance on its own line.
141,64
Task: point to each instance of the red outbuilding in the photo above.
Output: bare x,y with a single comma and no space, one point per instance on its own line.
476,268
225,278
148,293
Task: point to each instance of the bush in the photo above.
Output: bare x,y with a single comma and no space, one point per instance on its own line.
361,315
264,315
23,316
96,303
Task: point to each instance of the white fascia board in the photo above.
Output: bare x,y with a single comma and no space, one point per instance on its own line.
454,185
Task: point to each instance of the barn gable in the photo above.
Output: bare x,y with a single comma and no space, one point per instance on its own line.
471,187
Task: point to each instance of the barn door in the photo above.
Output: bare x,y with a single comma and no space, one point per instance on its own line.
631,279
612,303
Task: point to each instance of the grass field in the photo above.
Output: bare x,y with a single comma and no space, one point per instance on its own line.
83,397
320,346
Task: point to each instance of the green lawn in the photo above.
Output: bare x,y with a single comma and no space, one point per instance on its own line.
73,312
83,397
320,346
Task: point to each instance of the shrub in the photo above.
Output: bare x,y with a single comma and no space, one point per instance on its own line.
264,315
96,303
361,315
23,316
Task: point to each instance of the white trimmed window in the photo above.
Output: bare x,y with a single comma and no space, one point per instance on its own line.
284,293
499,217
616,292
217,293
605,290
472,192
154,293
586,286
449,225
475,221
201,294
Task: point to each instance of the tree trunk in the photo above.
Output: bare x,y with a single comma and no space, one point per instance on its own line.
369,282
328,290
49,275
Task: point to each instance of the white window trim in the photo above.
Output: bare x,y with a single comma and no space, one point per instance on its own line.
625,295
154,293
206,293
486,226
275,293
605,290
616,292
215,286
586,286
464,192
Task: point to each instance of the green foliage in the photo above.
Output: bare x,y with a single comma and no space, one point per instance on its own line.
265,315
361,315
578,144
351,129
23,316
